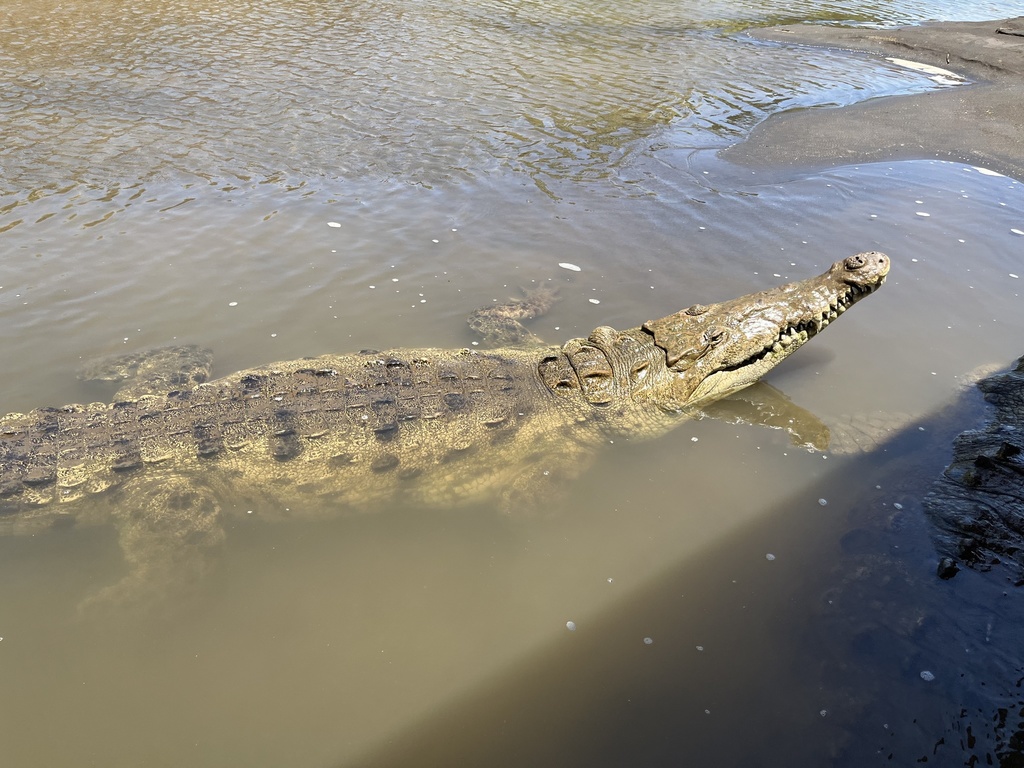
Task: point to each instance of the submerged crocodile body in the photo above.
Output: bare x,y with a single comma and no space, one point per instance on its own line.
433,426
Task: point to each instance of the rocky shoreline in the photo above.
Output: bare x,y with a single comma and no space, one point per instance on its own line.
977,505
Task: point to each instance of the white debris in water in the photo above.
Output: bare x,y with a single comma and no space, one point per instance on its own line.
897,505
571,626
648,640
594,301
1015,277
927,676
609,580
823,712
232,303
570,267
700,647
435,241
822,502
922,213
986,171
333,224
694,439
769,556
1017,231
936,74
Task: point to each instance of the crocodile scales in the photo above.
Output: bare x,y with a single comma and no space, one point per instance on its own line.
432,426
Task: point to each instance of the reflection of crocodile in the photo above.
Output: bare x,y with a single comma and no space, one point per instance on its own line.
432,426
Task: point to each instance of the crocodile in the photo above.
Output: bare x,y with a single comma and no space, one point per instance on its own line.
431,426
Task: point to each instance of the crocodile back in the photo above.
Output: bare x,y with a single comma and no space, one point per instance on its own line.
345,425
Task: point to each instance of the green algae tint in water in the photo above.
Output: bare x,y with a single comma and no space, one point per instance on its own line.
170,174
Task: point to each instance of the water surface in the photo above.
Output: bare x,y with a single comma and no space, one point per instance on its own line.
282,179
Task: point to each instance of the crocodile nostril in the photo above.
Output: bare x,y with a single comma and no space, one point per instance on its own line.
855,262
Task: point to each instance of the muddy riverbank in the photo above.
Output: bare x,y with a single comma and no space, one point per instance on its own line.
977,123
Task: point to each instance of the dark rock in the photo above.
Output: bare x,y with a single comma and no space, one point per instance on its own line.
977,505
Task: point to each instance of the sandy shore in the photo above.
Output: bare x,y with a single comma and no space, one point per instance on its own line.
981,123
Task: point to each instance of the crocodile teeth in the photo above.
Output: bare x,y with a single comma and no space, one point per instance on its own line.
840,305
790,336
799,333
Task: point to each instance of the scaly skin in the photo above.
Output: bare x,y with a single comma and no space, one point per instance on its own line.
433,426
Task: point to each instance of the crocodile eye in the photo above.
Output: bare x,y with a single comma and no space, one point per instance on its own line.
713,335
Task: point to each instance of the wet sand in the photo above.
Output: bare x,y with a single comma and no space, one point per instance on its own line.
981,123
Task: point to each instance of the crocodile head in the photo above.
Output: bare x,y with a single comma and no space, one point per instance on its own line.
710,351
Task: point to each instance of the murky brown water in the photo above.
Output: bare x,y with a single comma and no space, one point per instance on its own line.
281,179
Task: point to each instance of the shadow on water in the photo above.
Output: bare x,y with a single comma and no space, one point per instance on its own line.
762,652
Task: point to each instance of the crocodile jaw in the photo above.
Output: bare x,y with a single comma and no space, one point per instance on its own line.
713,351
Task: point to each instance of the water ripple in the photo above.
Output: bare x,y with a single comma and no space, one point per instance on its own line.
219,92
